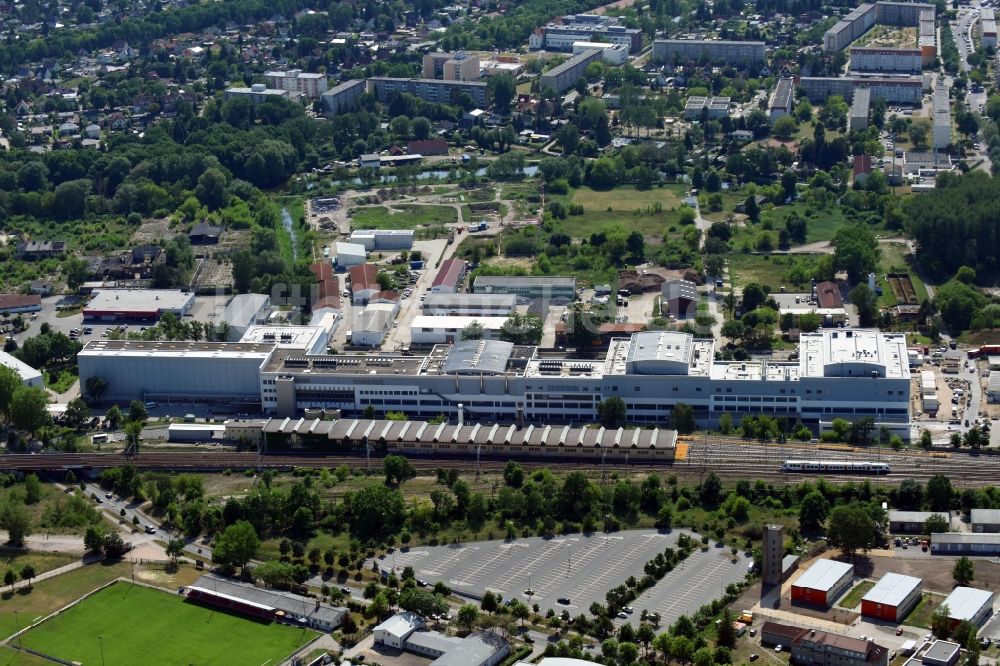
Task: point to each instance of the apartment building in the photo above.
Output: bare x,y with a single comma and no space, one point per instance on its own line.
893,89
564,76
429,90
258,93
297,82
343,96
679,51
451,66
889,61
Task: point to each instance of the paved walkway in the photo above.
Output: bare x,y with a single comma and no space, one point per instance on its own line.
58,571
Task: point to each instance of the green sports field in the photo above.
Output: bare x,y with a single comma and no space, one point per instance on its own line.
138,625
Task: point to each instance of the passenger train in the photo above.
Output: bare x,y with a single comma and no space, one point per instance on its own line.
836,466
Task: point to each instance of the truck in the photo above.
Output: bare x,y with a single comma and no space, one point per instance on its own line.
480,226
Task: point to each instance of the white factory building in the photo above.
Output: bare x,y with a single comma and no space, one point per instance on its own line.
29,376
383,239
469,305
840,373
969,604
137,304
349,254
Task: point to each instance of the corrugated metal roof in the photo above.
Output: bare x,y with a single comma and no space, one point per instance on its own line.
892,589
824,574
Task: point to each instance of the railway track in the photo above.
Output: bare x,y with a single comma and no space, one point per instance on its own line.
727,457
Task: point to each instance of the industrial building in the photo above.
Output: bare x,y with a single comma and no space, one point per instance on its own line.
449,277
564,76
258,93
204,372
18,303
969,604
912,522
347,255
29,376
305,339
297,82
433,330
821,648
782,101
469,305
242,312
893,89
840,373
823,582
711,108
988,27
887,60
372,324
983,544
435,91
941,118
712,51
985,520
559,35
860,110
892,598
405,631
612,54
531,288
344,96
137,304
458,66
364,283
266,604
383,240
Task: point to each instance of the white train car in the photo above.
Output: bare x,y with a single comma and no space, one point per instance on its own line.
836,466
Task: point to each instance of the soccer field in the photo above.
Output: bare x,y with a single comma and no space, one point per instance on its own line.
138,625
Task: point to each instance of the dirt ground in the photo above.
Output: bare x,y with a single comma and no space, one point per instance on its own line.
153,230
387,657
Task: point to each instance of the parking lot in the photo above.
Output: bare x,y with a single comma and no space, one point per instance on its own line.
580,568
696,581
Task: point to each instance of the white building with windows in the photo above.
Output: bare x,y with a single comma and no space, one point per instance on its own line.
297,83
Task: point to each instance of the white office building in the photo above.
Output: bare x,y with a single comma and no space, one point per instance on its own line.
433,330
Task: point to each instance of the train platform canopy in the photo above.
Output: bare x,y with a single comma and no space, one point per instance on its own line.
415,432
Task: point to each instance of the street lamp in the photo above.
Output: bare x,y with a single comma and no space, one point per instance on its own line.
100,642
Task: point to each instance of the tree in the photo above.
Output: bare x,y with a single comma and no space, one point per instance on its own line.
489,602
375,511
9,577
939,493
785,128
137,411
474,331
15,519
175,548
32,489
95,387
211,189
114,417
93,539
866,302
957,302
502,89
964,571
852,529
919,130
813,511
77,413
941,622
10,381
682,418
27,573
237,544
29,408
422,601
113,546
467,616
855,251
76,271
397,469
611,412
711,491
752,208
753,296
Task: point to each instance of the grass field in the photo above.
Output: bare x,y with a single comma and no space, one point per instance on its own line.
634,209
771,270
896,257
889,36
920,616
401,216
16,559
853,598
11,657
127,624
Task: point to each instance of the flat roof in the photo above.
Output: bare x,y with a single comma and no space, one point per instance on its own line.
433,640
988,516
284,601
853,352
892,589
288,337
400,624
942,651
528,280
915,516
176,349
966,537
965,602
436,322
469,300
473,650
242,309
23,370
139,300
824,574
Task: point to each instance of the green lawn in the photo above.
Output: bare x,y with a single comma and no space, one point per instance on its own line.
50,595
401,216
634,209
60,381
896,257
771,270
127,624
16,559
853,598
921,614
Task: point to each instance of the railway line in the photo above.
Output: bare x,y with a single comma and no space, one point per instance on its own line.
728,457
